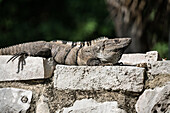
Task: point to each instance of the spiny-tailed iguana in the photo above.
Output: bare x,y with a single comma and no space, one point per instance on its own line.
96,52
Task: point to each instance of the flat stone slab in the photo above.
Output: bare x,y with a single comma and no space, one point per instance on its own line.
159,67
155,100
137,58
91,106
35,68
13,100
98,77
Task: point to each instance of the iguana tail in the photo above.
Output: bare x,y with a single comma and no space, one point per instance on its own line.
29,47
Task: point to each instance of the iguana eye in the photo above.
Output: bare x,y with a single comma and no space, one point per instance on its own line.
117,41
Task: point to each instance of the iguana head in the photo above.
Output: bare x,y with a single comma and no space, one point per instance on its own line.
106,50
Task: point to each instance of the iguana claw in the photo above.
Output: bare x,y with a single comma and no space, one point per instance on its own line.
22,56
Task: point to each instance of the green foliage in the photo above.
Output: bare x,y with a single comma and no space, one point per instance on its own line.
162,48
30,20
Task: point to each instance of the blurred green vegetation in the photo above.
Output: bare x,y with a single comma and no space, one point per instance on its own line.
162,48
160,45
32,20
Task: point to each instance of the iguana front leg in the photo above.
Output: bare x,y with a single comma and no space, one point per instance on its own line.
22,56
94,62
97,62
44,52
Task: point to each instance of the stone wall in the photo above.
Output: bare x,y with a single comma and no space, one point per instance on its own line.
141,85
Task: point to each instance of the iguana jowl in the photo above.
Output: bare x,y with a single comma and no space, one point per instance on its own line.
96,52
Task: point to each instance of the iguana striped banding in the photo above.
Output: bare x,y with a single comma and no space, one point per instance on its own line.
96,52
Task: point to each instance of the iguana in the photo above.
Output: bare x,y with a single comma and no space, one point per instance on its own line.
101,51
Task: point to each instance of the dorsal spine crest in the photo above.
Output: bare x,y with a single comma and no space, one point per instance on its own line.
79,43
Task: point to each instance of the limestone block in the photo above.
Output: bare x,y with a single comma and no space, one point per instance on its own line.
91,106
154,101
137,58
99,77
42,105
159,67
14,100
35,68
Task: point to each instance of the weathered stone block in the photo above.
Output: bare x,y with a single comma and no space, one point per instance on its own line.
137,58
14,100
91,106
98,77
154,101
159,67
35,68
42,105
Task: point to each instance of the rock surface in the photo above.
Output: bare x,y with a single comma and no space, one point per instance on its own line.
137,58
107,85
14,100
159,67
154,101
99,77
91,106
42,105
35,68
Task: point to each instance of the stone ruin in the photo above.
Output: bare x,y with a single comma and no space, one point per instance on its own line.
141,85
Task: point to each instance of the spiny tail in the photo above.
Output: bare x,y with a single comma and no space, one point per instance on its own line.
11,50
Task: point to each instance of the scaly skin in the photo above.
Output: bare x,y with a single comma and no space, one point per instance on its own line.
96,52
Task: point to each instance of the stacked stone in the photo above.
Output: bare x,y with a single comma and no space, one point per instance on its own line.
42,87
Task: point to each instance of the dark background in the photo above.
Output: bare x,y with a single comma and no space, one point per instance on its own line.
31,20
76,20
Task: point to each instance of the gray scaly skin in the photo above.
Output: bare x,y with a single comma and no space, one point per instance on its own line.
101,51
